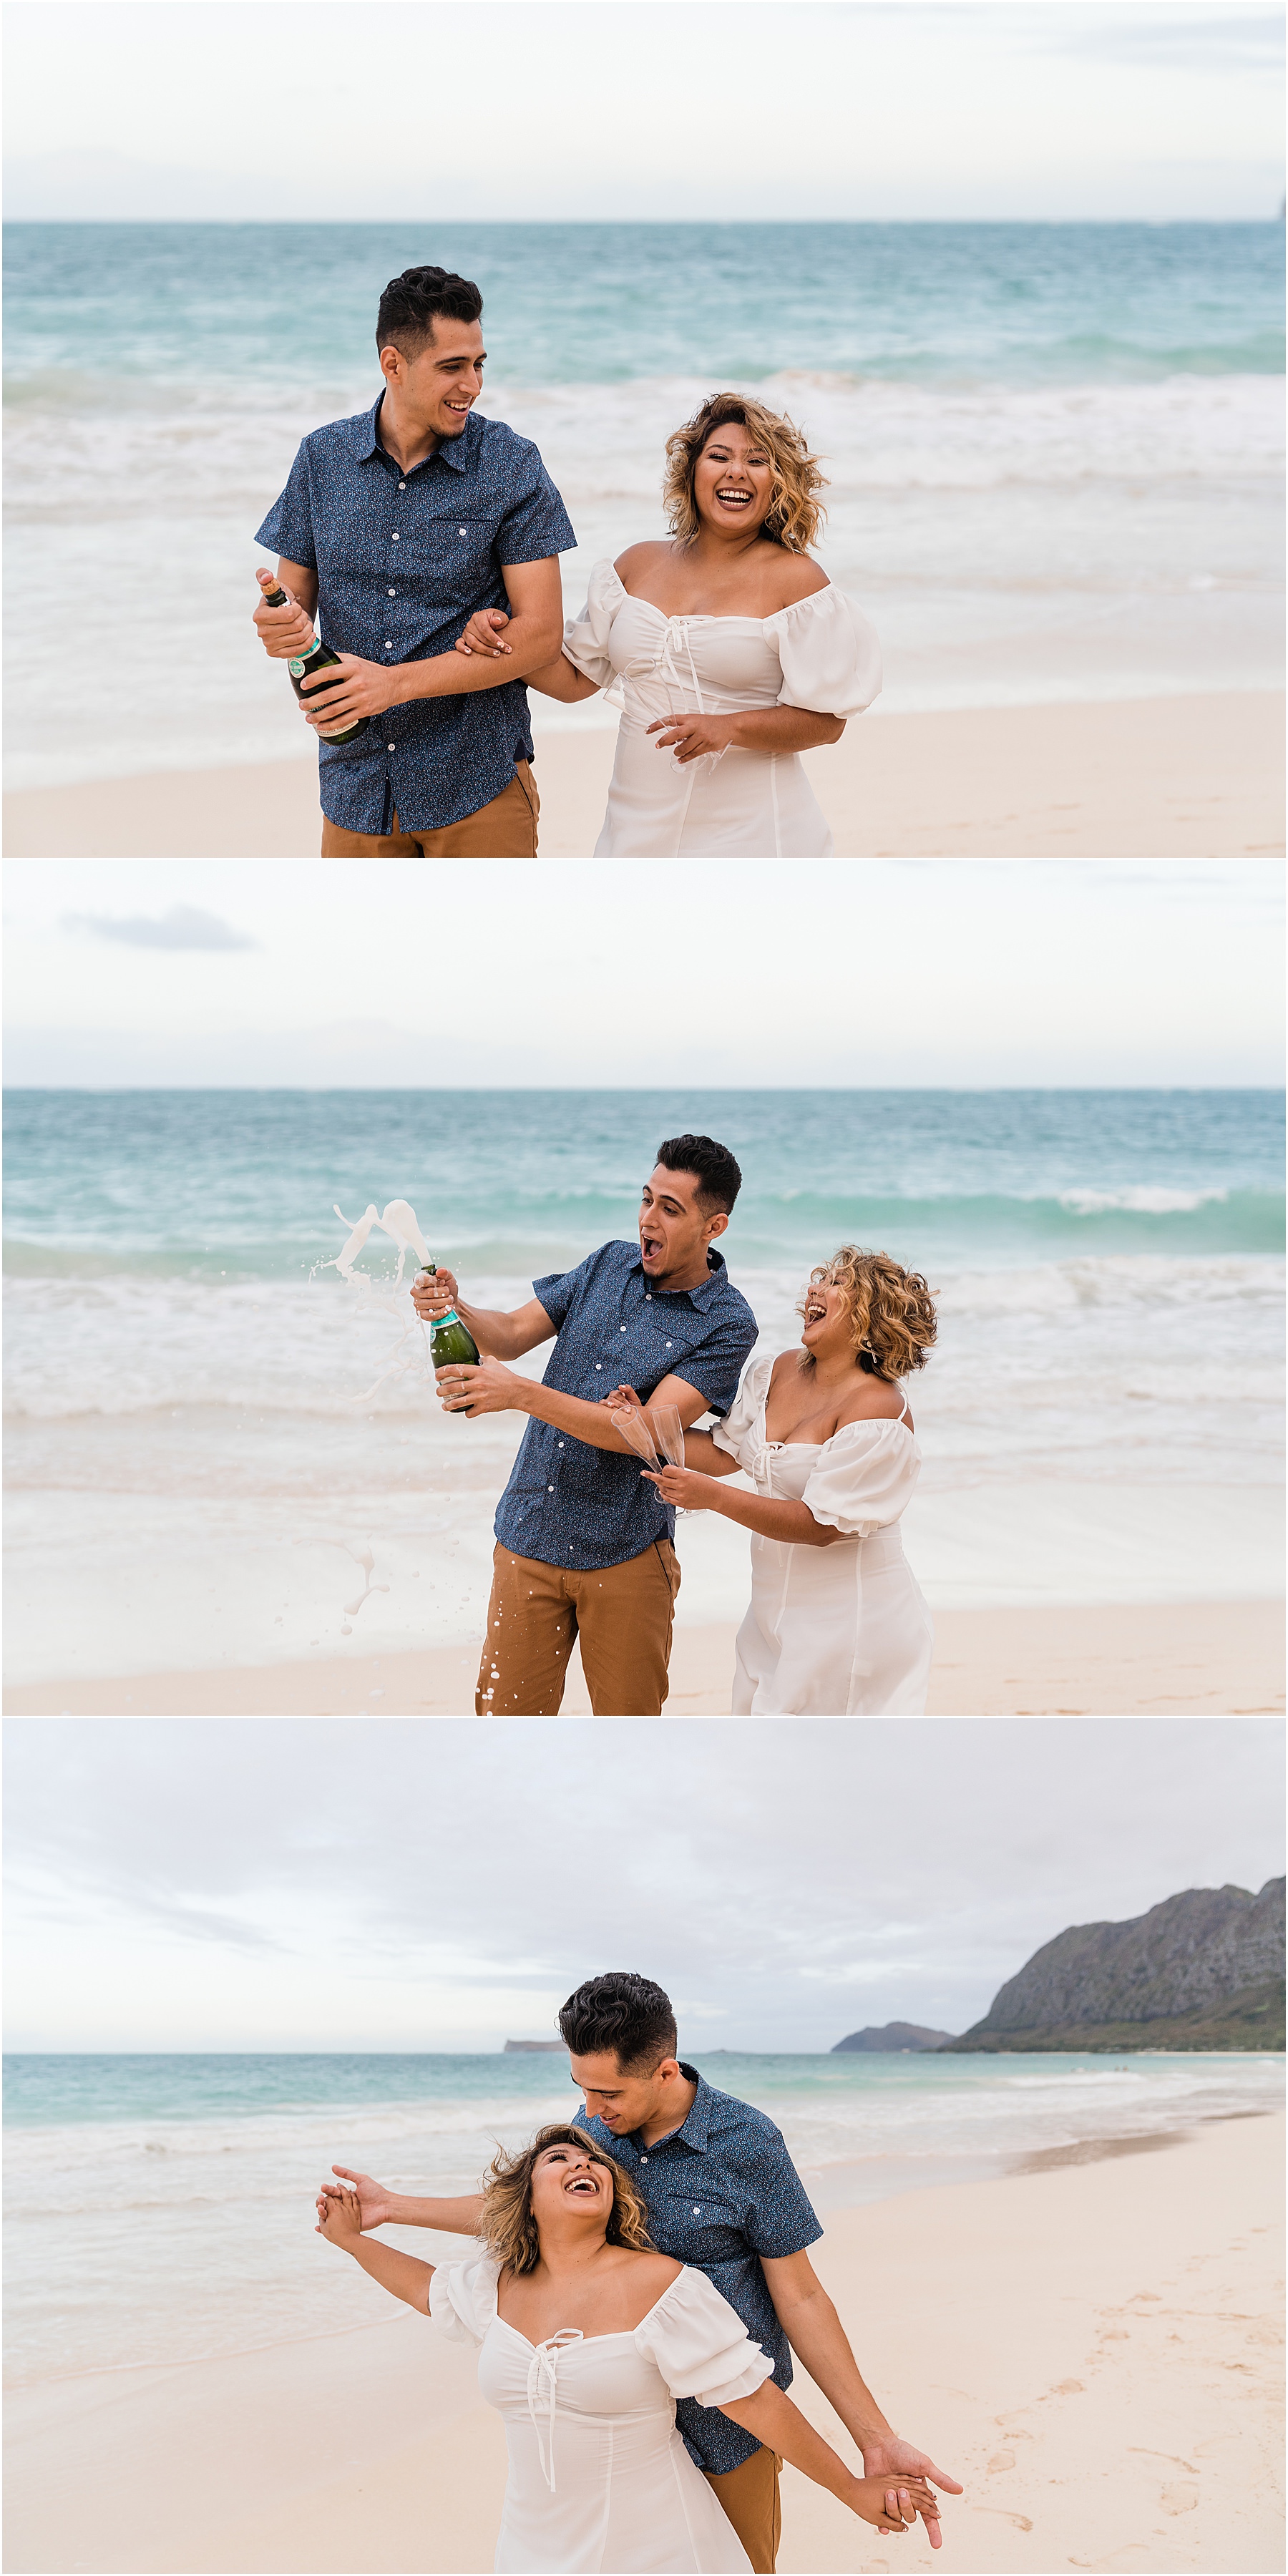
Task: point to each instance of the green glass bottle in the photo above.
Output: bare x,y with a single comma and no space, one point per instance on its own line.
451,1343
303,665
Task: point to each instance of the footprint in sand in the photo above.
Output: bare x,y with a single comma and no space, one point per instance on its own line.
1001,2460
1069,2388
1179,2499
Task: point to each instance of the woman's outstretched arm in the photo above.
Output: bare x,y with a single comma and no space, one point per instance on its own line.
403,2275
773,2420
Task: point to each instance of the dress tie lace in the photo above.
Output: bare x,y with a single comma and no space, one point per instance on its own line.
543,2390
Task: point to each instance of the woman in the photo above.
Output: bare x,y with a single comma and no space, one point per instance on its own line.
586,2338
726,647
836,1625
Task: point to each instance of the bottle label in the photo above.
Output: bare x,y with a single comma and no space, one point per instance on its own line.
451,1317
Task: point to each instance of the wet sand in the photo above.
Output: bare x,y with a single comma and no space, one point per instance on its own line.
1188,777
1223,1658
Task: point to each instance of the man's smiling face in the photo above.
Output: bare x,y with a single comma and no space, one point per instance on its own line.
442,382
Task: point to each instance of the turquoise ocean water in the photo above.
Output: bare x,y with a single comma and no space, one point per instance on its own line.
1052,447
201,1417
160,2208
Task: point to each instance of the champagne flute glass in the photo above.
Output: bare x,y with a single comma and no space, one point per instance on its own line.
670,1440
635,1432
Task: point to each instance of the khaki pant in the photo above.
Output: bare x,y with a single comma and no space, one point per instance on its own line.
750,2498
506,828
622,1614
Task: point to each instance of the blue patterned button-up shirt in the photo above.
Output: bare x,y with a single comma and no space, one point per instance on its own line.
567,1503
402,561
722,2191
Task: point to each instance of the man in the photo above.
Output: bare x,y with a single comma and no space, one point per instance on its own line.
395,526
724,2195
584,1546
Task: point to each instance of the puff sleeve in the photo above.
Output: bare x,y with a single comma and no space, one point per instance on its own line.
737,1432
462,2299
830,657
586,637
864,1478
700,2344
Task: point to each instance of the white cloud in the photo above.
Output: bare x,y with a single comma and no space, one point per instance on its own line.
414,1884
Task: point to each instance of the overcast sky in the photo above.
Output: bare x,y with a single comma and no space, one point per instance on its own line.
315,1884
369,109
898,972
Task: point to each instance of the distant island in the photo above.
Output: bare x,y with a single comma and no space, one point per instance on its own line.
1203,1970
894,2039
536,2047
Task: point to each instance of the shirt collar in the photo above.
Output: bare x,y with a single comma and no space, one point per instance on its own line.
692,2132
453,451
716,1277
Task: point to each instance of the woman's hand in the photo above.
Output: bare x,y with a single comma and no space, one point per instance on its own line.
483,634
624,1400
360,689
373,2199
684,1487
340,2219
694,737
875,2501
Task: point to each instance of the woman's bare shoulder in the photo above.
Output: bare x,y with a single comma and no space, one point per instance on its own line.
638,558
786,1360
871,1402
798,578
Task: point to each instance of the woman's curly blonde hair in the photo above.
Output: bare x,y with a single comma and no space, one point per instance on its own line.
891,1311
795,513
506,2224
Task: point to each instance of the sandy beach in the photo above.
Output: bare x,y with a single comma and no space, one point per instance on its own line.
1179,777
1189,1659
1091,2344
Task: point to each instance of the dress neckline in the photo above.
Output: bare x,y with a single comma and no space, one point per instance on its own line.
895,1422
623,2334
707,617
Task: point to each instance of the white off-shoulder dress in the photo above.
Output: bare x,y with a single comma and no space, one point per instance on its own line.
838,1631
735,804
598,2475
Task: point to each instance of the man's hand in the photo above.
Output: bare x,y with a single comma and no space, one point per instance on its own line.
484,634
489,1388
353,689
373,2199
693,737
892,2459
436,1297
281,631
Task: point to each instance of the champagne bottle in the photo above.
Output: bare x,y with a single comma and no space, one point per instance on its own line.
451,1343
302,665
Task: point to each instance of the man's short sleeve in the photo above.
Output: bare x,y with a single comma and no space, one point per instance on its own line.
716,1366
779,2218
288,529
559,1290
536,525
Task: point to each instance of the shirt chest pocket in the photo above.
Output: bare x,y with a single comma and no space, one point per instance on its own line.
695,2225
455,560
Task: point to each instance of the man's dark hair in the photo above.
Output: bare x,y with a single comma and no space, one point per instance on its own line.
712,1166
620,2014
412,303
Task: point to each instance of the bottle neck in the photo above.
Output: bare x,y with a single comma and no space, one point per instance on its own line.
451,1317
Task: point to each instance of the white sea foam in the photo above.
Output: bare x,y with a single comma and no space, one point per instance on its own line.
1012,544
142,2241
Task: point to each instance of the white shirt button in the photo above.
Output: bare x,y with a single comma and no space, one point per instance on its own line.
599,1364
389,643
391,746
402,487
648,1296
393,594
668,1346
462,532
643,2160
395,536
550,1489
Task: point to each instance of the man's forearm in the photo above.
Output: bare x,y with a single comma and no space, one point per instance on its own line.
589,1422
819,2341
497,1335
456,675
